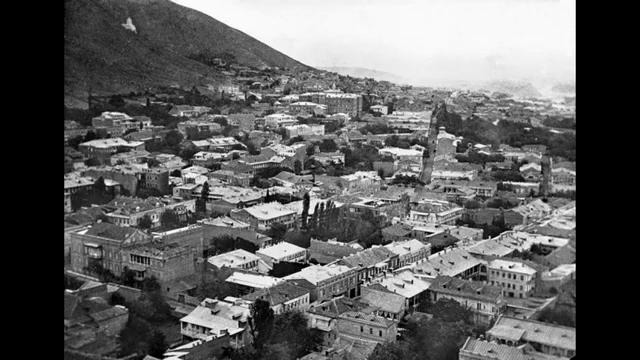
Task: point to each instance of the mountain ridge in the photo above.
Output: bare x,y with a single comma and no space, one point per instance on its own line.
103,56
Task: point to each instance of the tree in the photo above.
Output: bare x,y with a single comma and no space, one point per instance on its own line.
297,167
328,145
204,197
92,162
277,231
145,222
169,219
260,322
306,200
173,138
157,344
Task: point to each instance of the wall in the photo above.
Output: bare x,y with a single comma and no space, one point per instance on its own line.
352,328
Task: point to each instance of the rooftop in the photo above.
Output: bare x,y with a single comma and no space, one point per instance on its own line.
316,273
466,288
491,350
513,266
253,280
534,331
405,283
233,258
278,294
281,250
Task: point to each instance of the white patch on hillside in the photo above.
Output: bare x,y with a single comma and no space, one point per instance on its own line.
129,25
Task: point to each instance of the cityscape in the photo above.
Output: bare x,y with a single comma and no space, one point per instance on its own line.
226,201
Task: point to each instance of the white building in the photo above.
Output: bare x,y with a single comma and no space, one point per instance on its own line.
279,120
516,279
304,130
217,318
239,258
282,251
409,251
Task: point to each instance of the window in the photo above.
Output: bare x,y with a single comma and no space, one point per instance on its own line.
361,329
371,331
380,333
521,277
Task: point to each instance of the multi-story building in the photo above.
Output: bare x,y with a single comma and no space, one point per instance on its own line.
412,155
282,297
194,127
304,130
436,212
484,189
231,177
237,259
358,326
350,104
479,349
412,287
219,144
485,301
305,107
282,251
515,278
370,264
188,110
74,185
262,216
546,338
279,120
103,149
127,211
165,262
329,280
455,262
361,181
101,246
415,121
218,318
409,251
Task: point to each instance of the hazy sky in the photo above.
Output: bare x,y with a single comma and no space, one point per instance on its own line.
427,41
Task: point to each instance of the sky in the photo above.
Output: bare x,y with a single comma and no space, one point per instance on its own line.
429,42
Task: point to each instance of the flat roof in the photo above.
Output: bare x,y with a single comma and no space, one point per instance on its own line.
232,258
281,250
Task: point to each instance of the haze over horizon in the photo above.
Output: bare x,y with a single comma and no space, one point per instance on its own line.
431,43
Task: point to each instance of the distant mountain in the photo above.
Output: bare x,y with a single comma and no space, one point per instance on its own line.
565,88
514,88
366,73
128,45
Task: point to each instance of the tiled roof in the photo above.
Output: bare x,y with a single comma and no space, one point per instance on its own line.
465,288
325,252
492,350
368,257
534,331
278,294
111,231
382,298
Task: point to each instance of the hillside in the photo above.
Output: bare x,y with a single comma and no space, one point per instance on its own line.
366,73
102,54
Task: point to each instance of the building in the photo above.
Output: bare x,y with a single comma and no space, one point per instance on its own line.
188,110
361,181
73,185
414,121
454,262
546,338
103,149
371,263
485,301
238,259
409,251
329,280
262,216
217,318
359,326
397,232
484,189
191,128
515,278
275,121
436,212
232,178
282,297
101,246
218,144
325,252
307,108
411,155
388,304
282,251
248,282
127,211
379,109
304,130
410,286
479,349
165,262
323,315
531,172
